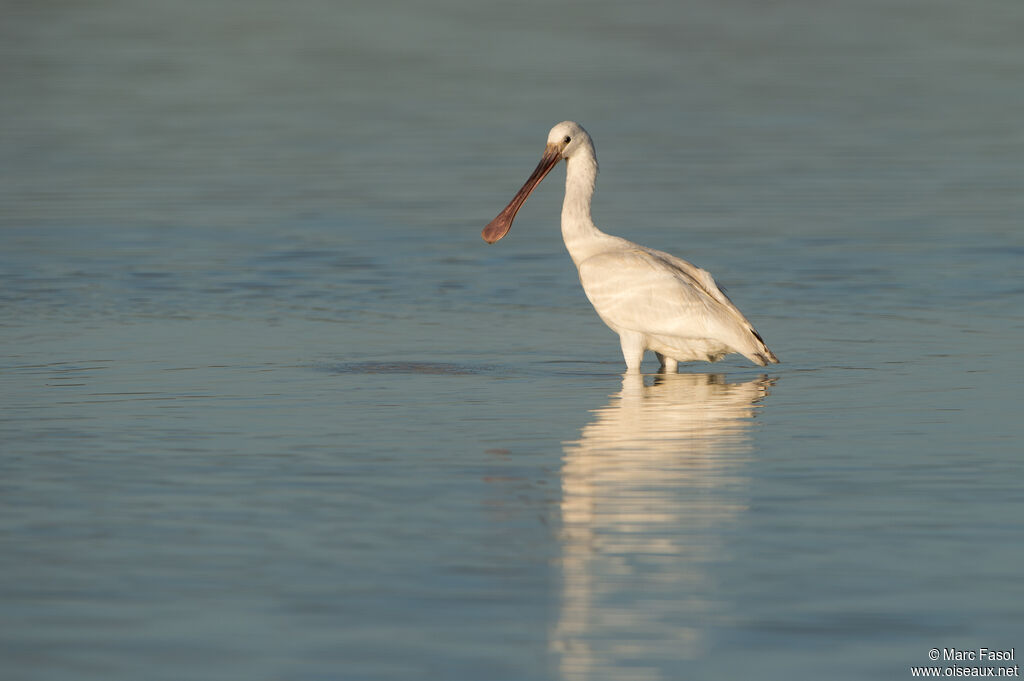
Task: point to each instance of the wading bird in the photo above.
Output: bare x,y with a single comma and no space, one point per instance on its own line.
653,300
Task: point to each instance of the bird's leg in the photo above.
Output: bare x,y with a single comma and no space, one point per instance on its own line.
668,365
632,349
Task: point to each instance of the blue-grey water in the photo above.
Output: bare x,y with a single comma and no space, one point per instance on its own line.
271,410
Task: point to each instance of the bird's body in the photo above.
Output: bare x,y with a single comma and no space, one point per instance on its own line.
653,300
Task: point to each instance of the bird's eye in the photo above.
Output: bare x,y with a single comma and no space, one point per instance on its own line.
567,139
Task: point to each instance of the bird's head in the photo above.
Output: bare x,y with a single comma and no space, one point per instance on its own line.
564,140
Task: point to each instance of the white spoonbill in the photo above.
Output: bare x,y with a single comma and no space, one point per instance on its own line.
653,300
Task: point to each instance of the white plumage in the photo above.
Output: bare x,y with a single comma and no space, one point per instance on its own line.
653,300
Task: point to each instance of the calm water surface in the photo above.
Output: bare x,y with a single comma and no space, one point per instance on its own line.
271,409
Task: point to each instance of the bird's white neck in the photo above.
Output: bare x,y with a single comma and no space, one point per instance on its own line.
582,237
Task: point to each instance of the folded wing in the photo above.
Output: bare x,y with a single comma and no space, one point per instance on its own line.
657,294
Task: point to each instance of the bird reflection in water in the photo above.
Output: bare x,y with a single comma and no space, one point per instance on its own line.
646,491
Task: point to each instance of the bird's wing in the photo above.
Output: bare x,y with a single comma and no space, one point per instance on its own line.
656,293
702,277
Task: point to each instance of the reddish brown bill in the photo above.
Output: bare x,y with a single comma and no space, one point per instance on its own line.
499,226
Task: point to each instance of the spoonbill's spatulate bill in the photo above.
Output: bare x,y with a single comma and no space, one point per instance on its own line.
653,300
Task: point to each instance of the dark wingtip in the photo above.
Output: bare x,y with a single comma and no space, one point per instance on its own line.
766,357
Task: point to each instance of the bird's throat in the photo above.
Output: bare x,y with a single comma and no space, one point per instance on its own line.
578,229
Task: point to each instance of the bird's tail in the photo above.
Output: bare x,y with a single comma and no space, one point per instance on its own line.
760,354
